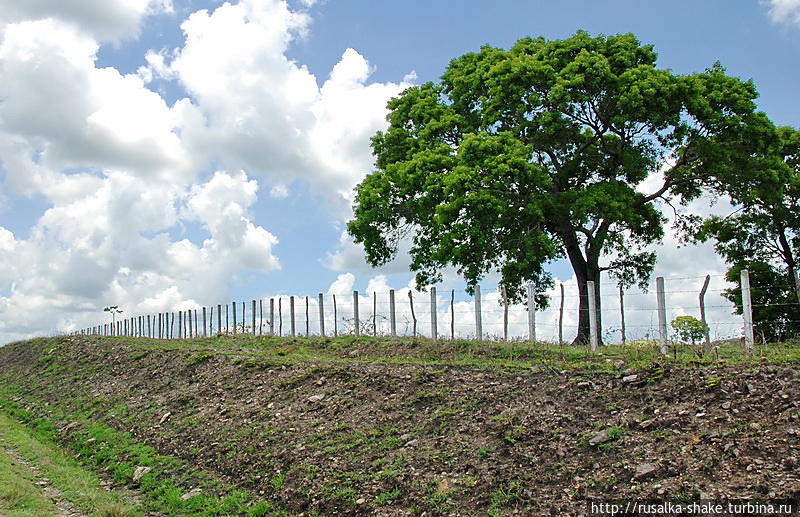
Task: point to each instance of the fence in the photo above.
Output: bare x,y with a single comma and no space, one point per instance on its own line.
434,315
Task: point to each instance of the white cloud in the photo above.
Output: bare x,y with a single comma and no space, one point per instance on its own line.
120,167
784,11
95,118
266,113
106,20
279,192
111,246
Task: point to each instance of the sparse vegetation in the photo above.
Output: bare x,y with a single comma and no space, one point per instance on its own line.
272,426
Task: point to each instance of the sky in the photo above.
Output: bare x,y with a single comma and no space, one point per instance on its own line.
170,154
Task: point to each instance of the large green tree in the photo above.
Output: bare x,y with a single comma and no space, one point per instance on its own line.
522,156
763,236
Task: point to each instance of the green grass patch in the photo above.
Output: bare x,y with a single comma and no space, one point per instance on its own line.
101,447
76,485
271,351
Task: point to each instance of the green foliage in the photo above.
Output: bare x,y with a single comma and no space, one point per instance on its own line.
522,156
504,496
385,498
277,480
615,434
689,328
117,453
763,236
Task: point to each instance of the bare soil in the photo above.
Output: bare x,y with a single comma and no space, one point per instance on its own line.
409,439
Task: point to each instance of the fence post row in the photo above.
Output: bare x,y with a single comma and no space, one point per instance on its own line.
478,322
271,316
561,318
161,325
434,323
622,313
590,294
321,317
662,314
452,314
504,296
392,318
531,314
355,313
413,315
747,311
291,314
335,318
703,312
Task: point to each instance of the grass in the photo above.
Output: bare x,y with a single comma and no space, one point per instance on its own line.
20,497
103,448
270,351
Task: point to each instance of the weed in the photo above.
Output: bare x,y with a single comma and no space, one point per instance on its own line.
485,452
504,496
199,358
387,497
277,480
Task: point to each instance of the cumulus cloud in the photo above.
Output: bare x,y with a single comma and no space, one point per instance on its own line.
96,118
784,11
105,20
121,168
111,246
266,113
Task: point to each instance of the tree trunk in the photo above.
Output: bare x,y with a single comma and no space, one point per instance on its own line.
584,271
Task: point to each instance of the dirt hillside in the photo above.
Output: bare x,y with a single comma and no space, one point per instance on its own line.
357,436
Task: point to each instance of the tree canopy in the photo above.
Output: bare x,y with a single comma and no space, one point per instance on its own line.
519,157
763,236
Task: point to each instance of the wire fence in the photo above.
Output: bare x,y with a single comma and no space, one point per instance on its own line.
614,316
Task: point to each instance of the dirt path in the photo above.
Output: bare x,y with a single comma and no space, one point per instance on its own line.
51,492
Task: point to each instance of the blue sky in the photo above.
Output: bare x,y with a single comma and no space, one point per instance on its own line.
156,156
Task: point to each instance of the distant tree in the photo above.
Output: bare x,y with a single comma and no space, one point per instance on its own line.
114,310
763,236
689,328
522,156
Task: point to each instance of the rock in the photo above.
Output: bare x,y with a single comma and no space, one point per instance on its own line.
726,405
140,472
646,423
599,437
165,417
644,470
316,398
361,501
630,378
191,493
